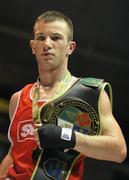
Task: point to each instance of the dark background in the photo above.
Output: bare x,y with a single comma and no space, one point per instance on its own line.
101,31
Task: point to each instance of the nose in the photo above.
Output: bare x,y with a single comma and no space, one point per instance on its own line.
47,43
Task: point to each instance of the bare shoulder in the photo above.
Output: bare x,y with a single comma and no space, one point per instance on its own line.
110,125
13,103
105,103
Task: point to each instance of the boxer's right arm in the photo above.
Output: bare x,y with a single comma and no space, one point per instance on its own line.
5,164
8,161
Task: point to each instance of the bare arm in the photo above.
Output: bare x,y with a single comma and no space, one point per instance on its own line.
7,161
5,164
110,145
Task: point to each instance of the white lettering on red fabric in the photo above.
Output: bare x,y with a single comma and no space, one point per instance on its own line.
25,130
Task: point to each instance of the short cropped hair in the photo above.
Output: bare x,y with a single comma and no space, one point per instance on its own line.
50,16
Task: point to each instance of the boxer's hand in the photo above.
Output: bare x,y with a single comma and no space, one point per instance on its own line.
3,177
36,136
51,136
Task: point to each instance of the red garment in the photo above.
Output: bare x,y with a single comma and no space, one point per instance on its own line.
23,143
21,134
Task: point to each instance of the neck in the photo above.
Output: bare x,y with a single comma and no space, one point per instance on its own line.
50,78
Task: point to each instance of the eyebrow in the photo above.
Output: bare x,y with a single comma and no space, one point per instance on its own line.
42,34
39,34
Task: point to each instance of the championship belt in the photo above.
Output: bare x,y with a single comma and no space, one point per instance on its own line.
77,108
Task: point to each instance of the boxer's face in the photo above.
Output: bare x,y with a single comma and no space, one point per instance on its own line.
50,45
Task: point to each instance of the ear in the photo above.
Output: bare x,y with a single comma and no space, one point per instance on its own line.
72,46
32,45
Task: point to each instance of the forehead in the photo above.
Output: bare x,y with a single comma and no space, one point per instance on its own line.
51,27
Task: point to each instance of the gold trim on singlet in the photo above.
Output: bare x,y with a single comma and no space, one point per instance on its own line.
62,87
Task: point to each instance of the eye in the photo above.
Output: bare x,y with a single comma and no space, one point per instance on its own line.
56,37
40,38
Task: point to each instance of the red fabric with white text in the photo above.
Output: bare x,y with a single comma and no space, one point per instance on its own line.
21,135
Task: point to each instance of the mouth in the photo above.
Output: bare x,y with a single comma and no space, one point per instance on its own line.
47,56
